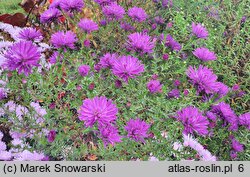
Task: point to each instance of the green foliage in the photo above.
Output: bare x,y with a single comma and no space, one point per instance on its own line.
10,6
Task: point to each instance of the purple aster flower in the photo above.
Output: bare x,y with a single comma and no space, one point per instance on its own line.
225,112
109,135
161,38
211,116
126,26
137,14
30,34
118,83
235,87
107,60
72,5
22,56
64,40
183,55
159,20
55,4
145,31
91,86
223,89
88,25
193,120
154,86
141,43
243,19
154,26
237,147
137,129
50,15
113,11
165,56
203,79
83,70
98,109
5,155
87,43
241,93
154,77
175,93
199,31
170,42
97,67
3,93
185,92
103,22
177,83
54,57
169,24
104,2
51,136
127,67
204,54
244,119
167,3
233,154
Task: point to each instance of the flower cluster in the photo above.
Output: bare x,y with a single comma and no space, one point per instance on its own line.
20,150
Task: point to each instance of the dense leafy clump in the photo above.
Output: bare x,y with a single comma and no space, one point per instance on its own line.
126,80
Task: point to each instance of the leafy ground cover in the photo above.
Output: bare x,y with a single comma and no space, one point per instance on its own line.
126,80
